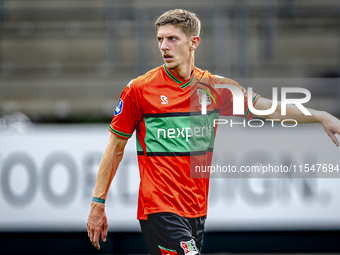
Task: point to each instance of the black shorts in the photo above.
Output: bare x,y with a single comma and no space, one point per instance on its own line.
171,234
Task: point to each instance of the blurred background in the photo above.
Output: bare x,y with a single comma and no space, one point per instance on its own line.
63,65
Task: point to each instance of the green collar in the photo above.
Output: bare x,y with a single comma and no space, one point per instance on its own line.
183,84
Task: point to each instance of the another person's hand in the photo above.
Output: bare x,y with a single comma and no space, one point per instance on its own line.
331,126
97,223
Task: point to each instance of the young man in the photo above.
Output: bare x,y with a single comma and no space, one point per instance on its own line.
164,108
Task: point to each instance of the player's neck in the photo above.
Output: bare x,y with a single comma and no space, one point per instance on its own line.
185,70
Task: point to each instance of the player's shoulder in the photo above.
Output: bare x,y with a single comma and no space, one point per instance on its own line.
214,78
142,80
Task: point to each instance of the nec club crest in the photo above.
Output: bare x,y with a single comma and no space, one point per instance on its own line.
119,107
189,247
200,94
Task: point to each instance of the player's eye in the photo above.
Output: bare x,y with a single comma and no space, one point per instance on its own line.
160,39
172,38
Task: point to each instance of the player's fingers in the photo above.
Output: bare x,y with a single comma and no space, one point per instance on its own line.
93,235
334,139
96,244
104,232
88,230
95,240
337,130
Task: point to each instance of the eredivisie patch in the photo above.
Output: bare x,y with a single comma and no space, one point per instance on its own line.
189,247
119,107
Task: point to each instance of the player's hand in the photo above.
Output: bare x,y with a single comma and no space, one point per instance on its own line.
331,126
97,224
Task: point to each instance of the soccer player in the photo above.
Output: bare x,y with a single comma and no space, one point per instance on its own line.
164,107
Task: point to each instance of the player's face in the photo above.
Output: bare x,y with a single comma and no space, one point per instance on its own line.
174,46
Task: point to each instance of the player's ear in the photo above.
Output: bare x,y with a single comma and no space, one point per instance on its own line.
194,42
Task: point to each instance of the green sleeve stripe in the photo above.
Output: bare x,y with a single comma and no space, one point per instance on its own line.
160,247
171,76
247,114
119,133
248,111
139,146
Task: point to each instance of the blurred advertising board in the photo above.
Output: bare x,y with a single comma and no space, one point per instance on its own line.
47,176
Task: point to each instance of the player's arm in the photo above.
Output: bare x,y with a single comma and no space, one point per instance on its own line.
330,124
97,221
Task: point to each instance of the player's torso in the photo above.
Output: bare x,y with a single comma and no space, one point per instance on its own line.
172,118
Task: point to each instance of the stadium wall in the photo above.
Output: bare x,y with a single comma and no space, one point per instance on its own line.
47,175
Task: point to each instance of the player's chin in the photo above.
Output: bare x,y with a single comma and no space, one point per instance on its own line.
170,65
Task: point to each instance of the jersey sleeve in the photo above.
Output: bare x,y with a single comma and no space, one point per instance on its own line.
227,99
127,113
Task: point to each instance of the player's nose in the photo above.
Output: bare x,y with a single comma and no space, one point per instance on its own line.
164,46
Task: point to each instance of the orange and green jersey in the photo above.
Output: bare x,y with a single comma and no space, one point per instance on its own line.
172,136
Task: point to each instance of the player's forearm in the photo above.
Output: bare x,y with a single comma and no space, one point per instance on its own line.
292,112
107,170
108,166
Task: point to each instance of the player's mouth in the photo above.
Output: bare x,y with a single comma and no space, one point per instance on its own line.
167,57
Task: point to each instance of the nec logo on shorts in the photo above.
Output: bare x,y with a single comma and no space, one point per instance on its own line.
119,107
164,100
189,247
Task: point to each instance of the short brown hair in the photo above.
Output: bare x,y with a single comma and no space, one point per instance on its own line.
185,20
